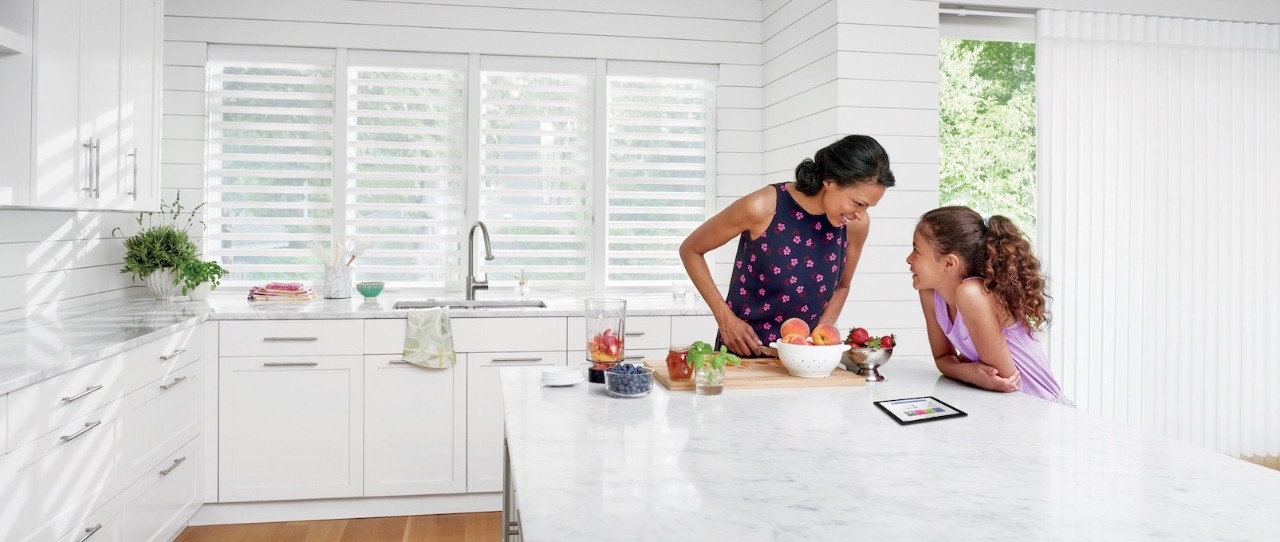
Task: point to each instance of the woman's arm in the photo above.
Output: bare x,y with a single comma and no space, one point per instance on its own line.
949,363
751,213
853,252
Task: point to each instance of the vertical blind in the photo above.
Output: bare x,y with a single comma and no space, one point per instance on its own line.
270,163
321,146
1157,147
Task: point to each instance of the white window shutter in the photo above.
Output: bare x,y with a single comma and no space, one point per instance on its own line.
658,145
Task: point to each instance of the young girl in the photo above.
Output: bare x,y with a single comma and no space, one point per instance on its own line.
983,295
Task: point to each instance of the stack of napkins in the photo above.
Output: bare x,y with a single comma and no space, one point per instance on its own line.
281,291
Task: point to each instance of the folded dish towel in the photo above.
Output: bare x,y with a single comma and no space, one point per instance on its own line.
428,341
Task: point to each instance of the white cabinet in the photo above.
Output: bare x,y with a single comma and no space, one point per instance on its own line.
92,95
159,418
687,329
158,504
485,427
290,427
415,428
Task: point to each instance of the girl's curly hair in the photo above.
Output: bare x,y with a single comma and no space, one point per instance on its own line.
998,252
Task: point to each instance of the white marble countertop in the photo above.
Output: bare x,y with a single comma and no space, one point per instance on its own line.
825,464
41,347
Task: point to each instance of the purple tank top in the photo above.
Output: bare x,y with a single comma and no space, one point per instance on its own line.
789,271
1028,357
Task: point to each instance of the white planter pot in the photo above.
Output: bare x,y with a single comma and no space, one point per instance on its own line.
160,282
201,292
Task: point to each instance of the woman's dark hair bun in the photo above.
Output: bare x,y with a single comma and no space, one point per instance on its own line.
807,176
852,160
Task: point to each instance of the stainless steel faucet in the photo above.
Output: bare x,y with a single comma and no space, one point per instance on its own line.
474,283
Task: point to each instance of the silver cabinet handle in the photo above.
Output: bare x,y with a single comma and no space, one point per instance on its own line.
398,362
97,167
637,356
175,354
90,531
175,464
88,167
134,155
633,334
86,391
175,382
515,360
291,364
87,427
286,339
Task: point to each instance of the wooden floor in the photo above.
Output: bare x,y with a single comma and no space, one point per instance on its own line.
479,527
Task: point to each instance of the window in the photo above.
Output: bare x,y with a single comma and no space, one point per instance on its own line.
587,173
988,116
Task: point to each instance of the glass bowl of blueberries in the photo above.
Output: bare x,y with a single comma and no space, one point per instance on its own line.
627,380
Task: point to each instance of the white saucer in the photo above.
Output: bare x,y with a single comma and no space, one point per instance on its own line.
561,376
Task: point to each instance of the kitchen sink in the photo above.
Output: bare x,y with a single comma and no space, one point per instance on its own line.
473,304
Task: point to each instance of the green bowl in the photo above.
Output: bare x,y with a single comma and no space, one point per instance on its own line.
369,290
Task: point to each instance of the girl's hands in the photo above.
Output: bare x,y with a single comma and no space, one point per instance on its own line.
739,336
988,378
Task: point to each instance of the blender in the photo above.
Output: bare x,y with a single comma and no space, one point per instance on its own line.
606,320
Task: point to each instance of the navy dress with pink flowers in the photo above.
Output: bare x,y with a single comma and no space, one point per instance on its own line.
790,271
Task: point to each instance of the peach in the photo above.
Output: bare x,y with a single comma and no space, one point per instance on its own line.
826,334
795,338
794,326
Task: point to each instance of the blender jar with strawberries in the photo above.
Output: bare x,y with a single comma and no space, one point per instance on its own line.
606,322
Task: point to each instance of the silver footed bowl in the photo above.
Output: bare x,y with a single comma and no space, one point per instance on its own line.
865,361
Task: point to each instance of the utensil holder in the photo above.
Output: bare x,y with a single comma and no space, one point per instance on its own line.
337,282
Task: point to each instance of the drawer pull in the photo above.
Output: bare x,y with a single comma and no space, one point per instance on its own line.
291,364
90,531
398,362
634,334
175,464
87,427
632,358
288,339
86,391
175,354
516,360
175,382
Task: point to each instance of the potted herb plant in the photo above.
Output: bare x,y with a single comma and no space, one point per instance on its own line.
197,278
160,247
708,367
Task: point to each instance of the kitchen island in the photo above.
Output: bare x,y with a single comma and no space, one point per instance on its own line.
826,464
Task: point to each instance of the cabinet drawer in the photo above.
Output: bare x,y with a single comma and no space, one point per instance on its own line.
291,338
159,418
102,525
508,334
162,356
159,504
382,336
71,470
38,409
642,332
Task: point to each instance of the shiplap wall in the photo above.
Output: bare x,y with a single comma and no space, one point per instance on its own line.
831,68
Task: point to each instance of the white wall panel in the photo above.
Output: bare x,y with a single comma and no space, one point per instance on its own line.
812,49
889,94
185,53
737,118
783,14
813,75
737,185
806,103
889,13
888,39
889,121
888,66
185,127
799,31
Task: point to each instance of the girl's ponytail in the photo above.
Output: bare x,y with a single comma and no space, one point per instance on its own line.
1011,271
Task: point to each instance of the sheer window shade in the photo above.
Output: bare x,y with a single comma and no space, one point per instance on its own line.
406,185
270,167
657,188
536,163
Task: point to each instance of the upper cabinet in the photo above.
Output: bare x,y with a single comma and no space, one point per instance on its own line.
92,114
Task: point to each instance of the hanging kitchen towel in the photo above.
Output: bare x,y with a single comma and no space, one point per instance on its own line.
428,341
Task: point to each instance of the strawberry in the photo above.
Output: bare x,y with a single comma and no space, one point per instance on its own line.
858,337
886,341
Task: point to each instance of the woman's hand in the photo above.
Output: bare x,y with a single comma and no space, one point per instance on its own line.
988,378
738,335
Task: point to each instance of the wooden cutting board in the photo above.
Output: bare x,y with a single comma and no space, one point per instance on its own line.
760,373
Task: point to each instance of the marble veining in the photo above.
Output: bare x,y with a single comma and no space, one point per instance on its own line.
813,464
40,347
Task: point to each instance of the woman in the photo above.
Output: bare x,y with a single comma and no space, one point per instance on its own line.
798,244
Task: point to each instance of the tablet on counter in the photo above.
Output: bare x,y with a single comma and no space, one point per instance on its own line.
918,409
